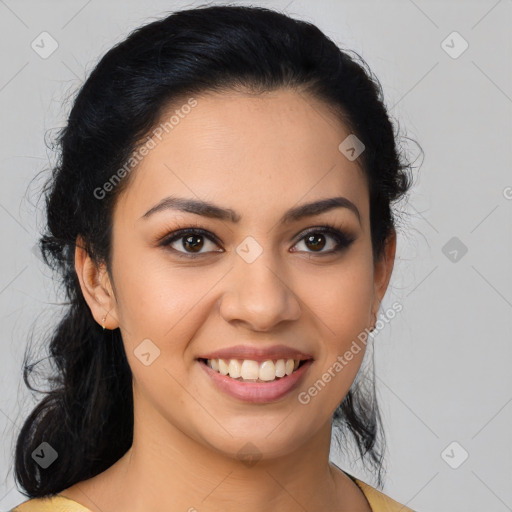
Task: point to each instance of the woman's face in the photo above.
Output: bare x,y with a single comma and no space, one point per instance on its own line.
249,286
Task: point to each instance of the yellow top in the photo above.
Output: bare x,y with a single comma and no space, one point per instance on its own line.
379,502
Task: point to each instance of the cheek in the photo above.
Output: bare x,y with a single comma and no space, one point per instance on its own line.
341,310
160,301
341,298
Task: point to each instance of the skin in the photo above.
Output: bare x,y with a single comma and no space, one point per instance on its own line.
259,155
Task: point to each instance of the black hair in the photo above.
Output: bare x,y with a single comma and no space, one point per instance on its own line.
87,415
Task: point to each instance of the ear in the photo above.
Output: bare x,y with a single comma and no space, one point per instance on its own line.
96,287
382,273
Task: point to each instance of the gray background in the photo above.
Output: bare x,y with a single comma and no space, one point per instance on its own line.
443,363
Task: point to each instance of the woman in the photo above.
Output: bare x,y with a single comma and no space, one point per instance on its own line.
221,219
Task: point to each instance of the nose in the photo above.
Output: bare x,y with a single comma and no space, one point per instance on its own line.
258,296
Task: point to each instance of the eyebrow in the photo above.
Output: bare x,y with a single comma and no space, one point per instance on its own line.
207,209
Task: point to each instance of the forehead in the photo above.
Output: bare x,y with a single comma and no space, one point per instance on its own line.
253,153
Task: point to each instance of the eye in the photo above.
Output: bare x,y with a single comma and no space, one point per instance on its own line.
191,240
316,239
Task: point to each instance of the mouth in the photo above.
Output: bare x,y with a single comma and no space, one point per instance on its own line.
249,370
256,382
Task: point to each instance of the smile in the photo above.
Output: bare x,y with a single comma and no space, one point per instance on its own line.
253,371
248,385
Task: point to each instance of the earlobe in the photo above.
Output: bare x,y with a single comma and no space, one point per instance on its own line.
96,287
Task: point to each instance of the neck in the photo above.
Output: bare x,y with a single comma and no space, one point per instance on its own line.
167,470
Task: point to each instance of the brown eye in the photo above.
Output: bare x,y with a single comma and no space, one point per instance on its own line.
316,239
190,242
193,242
316,242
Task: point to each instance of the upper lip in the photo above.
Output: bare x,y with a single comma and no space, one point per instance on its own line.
257,353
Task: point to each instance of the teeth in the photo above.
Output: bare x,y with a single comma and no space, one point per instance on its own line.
267,371
248,369
280,368
223,367
235,369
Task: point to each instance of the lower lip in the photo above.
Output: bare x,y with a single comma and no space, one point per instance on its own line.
257,392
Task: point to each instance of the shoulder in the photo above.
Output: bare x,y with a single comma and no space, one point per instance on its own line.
379,501
50,504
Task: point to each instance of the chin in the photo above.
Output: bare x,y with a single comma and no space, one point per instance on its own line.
262,438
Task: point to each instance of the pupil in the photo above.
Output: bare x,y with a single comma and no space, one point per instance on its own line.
316,245
194,241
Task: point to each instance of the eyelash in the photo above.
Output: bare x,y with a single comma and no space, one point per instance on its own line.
342,239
